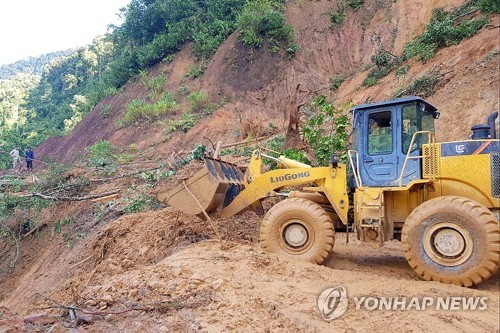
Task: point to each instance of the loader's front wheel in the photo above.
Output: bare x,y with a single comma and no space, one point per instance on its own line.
298,228
452,240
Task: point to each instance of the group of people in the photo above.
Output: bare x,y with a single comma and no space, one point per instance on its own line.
29,156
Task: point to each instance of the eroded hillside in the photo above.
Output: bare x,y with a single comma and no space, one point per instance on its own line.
260,88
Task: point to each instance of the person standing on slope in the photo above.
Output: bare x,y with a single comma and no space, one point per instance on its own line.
16,160
29,157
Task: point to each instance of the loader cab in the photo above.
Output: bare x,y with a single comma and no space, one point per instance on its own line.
382,133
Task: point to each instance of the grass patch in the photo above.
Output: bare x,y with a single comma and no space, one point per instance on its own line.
355,4
337,17
185,123
195,71
423,86
384,63
445,29
262,23
139,111
101,154
140,203
335,82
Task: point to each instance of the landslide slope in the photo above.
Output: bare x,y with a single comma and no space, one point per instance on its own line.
260,88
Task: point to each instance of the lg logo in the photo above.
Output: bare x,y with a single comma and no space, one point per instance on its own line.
459,148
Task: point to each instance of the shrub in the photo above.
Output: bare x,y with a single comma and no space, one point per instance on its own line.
423,86
384,63
156,83
169,58
139,110
335,82
195,71
154,176
490,6
198,100
402,71
106,110
356,4
443,30
262,23
187,121
165,103
325,130
139,203
101,153
337,17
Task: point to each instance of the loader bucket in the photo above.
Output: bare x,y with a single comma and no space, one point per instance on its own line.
209,189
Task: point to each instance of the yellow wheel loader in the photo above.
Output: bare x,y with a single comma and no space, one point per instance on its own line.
442,200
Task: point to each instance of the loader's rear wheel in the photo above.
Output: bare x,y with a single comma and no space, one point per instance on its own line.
452,240
298,228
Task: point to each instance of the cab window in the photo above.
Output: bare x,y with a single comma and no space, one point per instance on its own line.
379,133
415,120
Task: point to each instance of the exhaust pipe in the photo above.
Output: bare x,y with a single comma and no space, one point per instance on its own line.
491,122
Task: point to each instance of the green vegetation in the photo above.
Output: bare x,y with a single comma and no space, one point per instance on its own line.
325,130
70,234
355,4
402,71
198,100
57,90
154,84
60,224
106,111
31,66
195,71
384,63
23,211
490,6
157,175
276,146
140,203
423,86
101,154
337,17
139,111
262,23
73,83
185,123
445,29
335,82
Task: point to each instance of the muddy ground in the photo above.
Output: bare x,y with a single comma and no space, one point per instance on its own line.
169,268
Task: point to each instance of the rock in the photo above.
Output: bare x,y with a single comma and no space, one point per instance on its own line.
84,320
176,271
108,299
133,293
222,305
57,328
217,284
42,318
90,303
197,278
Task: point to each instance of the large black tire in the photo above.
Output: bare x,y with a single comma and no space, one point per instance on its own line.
453,240
298,228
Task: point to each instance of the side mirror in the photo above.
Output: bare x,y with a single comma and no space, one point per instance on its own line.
436,115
